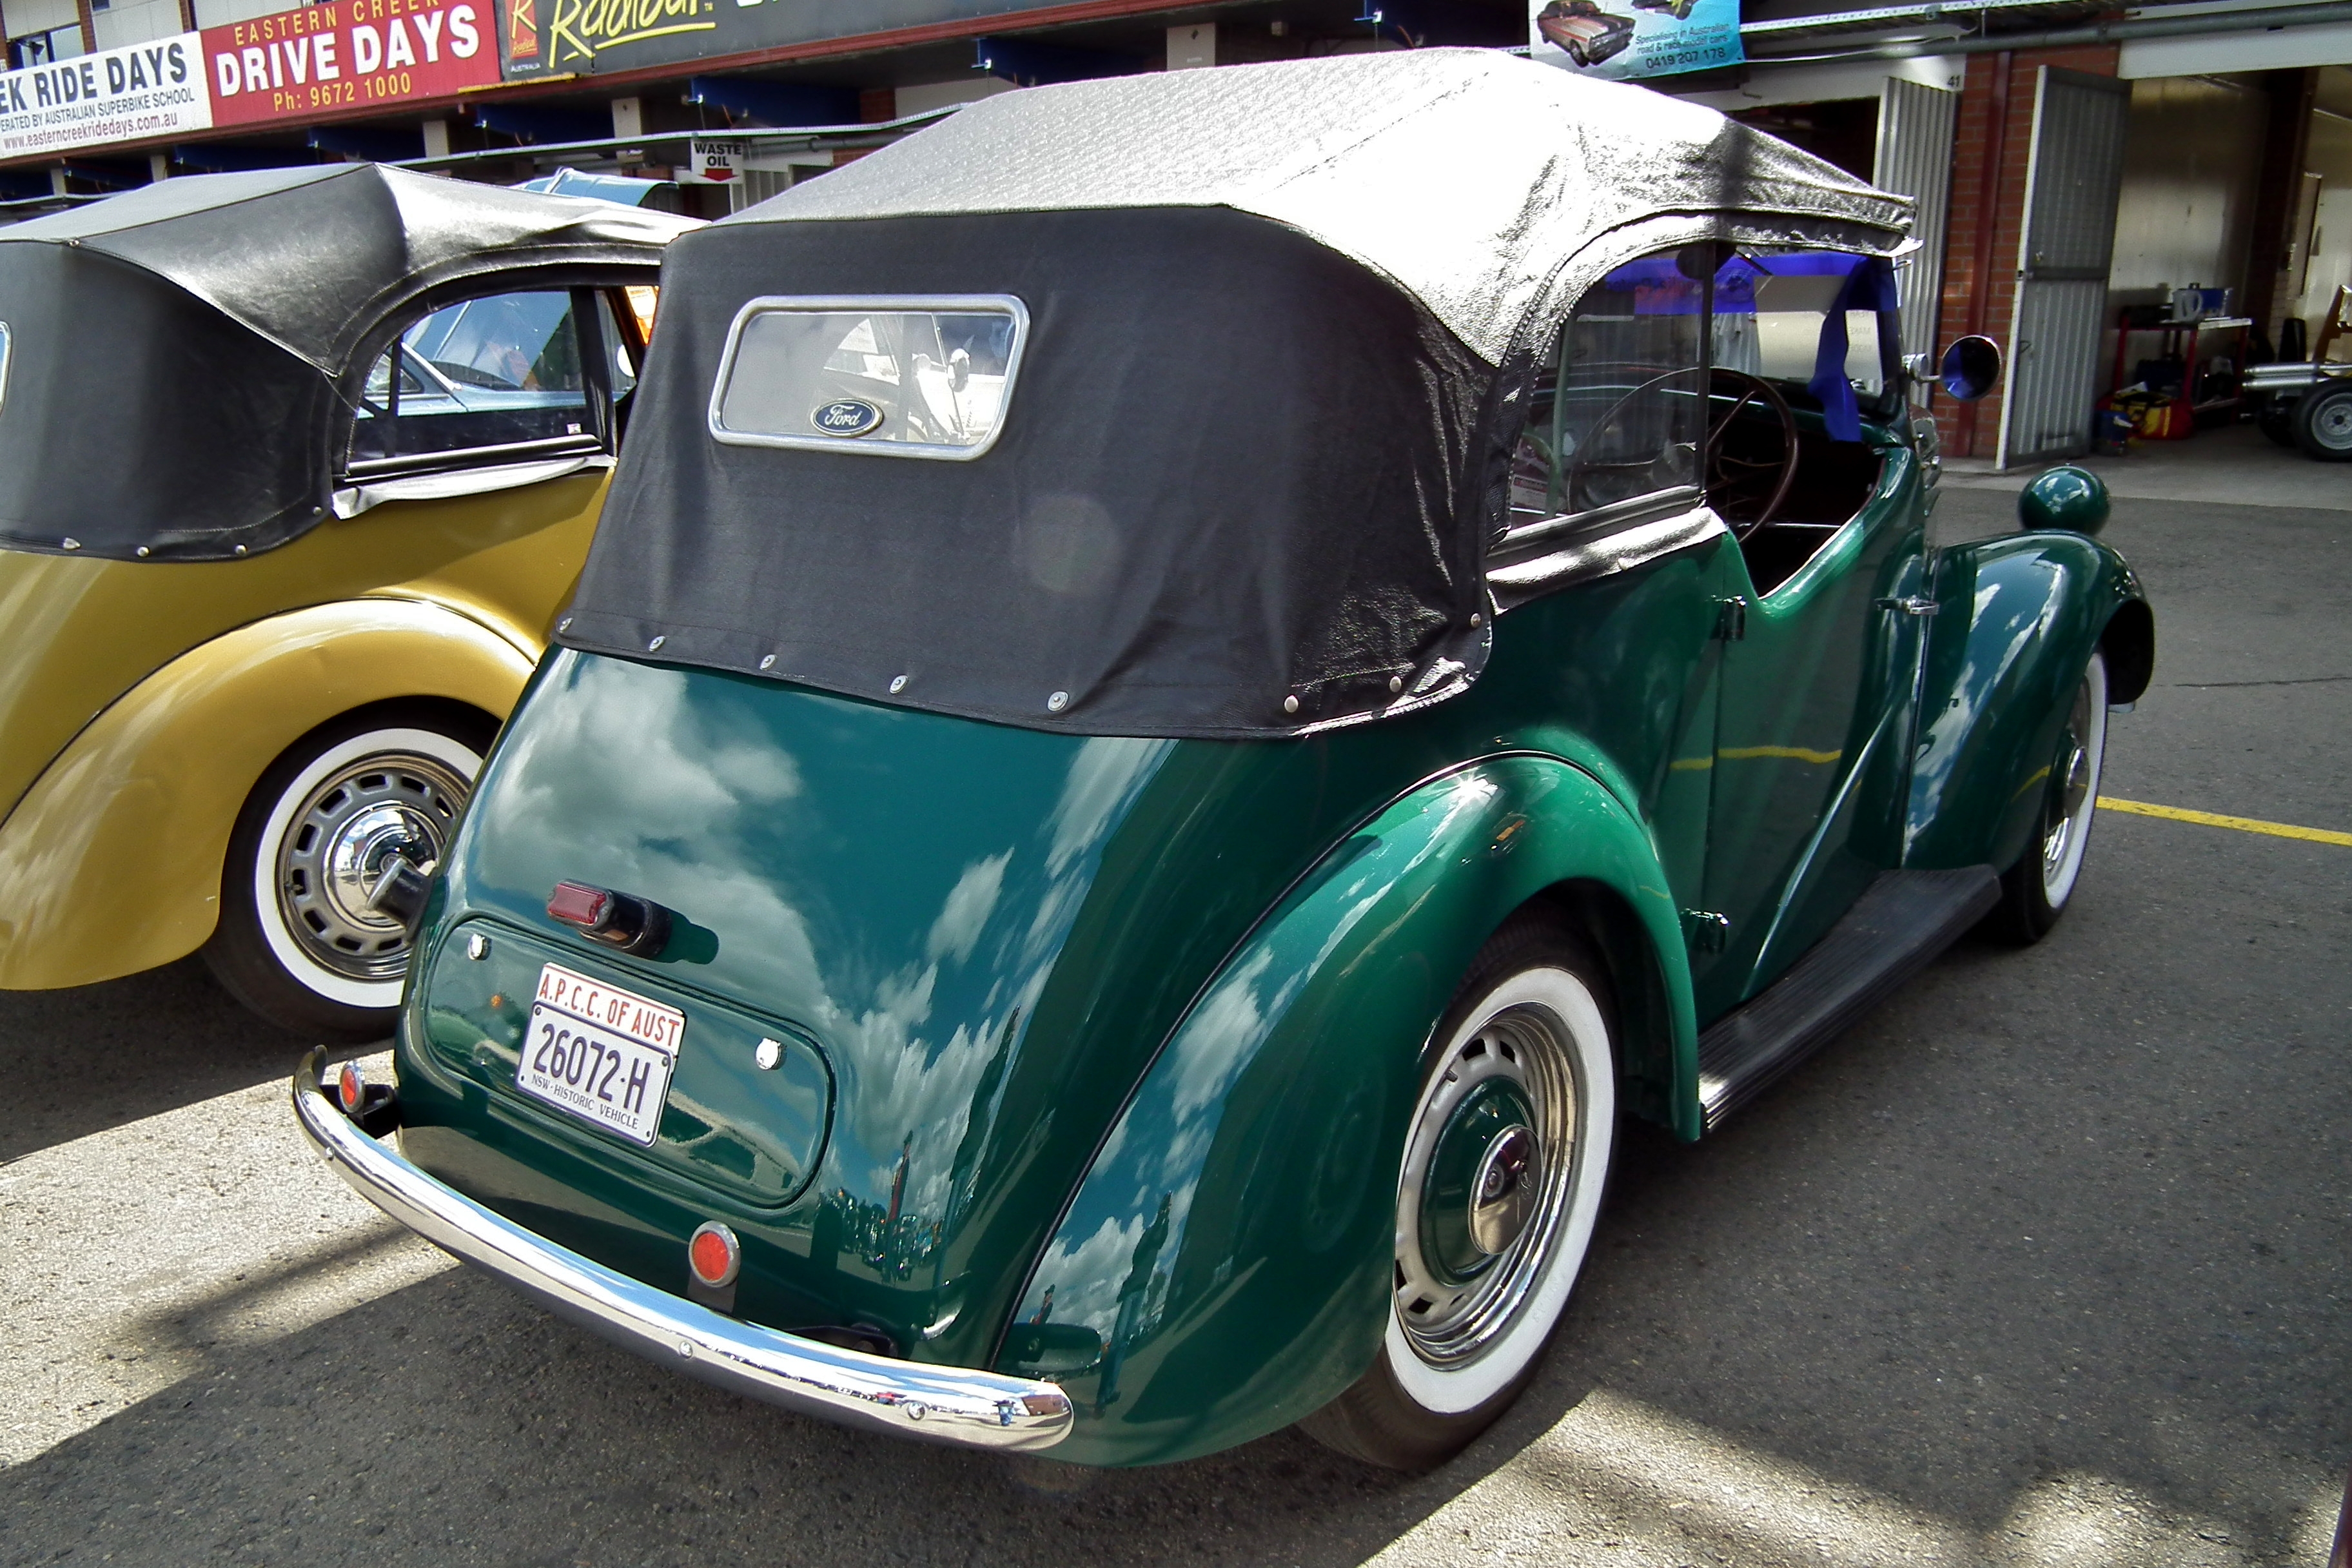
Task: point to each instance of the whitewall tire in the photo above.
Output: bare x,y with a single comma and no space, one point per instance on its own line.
2037,890
296,942
1505,1161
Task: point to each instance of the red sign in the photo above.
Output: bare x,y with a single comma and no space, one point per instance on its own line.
349,54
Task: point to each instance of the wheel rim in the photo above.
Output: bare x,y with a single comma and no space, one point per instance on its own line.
2075,800
2331,423
342,837
1490,1164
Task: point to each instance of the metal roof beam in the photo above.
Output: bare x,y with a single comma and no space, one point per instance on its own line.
812,138
2253,20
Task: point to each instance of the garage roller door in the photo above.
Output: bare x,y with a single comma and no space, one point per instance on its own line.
1915,159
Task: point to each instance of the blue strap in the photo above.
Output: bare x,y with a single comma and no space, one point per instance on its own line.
1869,287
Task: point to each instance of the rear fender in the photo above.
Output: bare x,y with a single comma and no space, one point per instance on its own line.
2017,620
112,862
1275,1114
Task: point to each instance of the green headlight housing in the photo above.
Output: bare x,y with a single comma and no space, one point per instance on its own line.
2069,498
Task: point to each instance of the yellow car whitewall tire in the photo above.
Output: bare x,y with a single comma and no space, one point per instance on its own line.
296,942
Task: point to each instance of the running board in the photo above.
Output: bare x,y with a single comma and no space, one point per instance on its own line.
1892,933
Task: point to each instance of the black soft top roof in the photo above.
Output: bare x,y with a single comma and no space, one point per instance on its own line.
181,358
1282,320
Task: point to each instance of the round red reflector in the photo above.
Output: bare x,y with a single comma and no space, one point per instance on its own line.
349,1087
714,1254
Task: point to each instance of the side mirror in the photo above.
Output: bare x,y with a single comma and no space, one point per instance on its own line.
1971,368
959,369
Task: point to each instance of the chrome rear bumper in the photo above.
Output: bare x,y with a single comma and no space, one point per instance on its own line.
942,1403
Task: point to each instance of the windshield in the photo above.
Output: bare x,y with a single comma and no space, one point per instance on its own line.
509,342
1808,319
481,375
1618,415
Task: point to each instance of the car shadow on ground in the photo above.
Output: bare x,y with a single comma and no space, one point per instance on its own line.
452,1421
2006,1259
81,1062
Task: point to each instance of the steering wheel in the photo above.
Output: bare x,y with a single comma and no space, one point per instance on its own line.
1726,477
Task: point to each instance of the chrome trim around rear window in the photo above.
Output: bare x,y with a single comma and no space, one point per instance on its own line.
1008,306
942,1403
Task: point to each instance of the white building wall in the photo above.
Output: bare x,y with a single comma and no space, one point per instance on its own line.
130,22
218,13
2330,157
27,16
2190,167
939,94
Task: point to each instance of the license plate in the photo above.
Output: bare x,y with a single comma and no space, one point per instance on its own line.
601,1053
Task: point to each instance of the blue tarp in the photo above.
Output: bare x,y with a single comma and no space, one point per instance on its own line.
621,188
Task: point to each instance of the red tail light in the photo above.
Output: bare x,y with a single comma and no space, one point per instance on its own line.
616,920
577,904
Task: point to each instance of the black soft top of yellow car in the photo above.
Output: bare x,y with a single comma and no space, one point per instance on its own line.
1201,388
179,362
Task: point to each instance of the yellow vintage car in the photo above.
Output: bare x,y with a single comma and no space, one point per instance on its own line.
297,468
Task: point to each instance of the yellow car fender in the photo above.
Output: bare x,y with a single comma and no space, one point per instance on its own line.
112,862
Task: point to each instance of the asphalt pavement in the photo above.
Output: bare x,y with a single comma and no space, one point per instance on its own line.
2047,1262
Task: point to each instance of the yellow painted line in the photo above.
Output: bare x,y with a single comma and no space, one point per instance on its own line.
1788,754
2212,820
1754,753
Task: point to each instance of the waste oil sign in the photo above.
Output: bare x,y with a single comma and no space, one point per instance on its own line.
349,54
154,89
715,162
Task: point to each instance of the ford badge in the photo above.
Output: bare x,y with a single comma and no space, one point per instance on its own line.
847,417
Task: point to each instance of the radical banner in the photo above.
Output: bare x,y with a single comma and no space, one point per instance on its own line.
348,54
1661,37
555,38
154,89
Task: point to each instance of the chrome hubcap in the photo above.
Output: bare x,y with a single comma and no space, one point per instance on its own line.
342,840
1487,1171
1503,1198
2332,423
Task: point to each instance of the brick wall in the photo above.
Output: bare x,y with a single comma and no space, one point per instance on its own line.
1973,430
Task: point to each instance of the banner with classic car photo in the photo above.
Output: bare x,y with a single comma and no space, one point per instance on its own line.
348,54
154,89
1661,37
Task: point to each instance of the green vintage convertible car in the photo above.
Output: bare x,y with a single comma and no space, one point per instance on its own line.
1191,685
